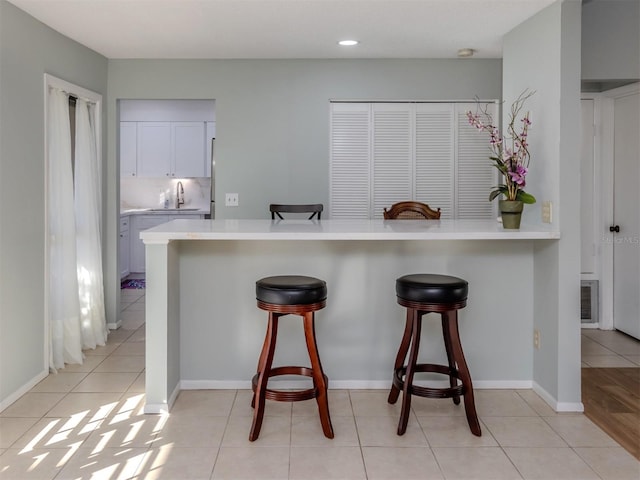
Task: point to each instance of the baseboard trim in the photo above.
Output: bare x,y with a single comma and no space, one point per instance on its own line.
345,384
155,408
215,384
503,384
22,390
114,326
553,403
174,395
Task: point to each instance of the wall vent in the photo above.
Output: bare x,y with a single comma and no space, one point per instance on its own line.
589,301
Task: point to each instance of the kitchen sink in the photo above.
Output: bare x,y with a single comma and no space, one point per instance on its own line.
172,209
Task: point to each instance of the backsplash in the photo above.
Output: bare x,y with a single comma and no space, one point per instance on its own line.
141,192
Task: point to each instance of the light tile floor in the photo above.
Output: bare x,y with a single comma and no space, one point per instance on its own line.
87,423
608,349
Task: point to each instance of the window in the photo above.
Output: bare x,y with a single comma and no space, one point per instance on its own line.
382,153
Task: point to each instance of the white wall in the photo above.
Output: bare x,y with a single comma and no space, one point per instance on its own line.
543,54
28,49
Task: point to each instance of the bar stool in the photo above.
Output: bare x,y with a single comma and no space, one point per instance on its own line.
284,295
421,294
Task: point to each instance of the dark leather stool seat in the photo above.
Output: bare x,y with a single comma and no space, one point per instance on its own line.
284,295
291,290
431,293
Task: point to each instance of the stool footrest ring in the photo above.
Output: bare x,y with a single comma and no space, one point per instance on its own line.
429,392
285,395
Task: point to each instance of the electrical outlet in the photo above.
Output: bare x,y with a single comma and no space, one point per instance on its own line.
231,200
547,212
536,339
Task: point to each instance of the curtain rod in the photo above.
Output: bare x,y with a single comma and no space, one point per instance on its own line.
75,95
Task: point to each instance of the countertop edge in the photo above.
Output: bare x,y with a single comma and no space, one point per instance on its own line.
362,230
148,211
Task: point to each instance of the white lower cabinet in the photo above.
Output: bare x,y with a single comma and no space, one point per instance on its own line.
144,222
124,246
140,223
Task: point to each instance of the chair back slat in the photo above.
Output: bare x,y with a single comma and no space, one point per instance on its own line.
315,209
412,211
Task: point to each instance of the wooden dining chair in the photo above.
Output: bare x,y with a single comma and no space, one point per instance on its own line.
411,210
315,209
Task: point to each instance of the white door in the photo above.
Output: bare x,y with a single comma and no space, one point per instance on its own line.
626,247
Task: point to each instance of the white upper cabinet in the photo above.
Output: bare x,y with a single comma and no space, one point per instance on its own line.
166,138
188,149
154,149
163,149
128,149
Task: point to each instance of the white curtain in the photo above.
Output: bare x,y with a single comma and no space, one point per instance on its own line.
88,201
64,307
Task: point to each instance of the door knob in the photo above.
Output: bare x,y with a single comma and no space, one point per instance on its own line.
614,228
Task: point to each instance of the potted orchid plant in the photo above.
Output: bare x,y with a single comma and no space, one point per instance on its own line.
510,155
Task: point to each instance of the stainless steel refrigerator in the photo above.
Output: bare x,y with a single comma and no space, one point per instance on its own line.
212,209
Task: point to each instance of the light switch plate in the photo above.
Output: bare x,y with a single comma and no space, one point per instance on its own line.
547,212
231,200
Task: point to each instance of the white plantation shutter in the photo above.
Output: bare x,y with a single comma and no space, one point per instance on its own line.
392,155
434,154
350,161
383,153
475,173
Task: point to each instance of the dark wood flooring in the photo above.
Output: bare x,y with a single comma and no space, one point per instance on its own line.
611,398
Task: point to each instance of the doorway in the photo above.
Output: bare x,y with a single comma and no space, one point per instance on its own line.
626,214
610,173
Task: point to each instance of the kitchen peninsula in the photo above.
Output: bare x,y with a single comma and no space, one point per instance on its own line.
204,329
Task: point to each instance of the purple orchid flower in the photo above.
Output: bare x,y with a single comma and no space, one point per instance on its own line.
518,176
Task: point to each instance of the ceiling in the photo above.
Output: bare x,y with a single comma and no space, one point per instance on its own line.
284,28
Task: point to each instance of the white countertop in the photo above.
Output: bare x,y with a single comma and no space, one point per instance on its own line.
163,211
343,230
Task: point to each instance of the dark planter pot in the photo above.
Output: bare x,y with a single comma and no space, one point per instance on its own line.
511,211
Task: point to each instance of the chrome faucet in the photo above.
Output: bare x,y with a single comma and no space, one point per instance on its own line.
179,194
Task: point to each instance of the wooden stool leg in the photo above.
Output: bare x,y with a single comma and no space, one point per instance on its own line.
450,358
416,321
401,356
318,374
469,404
264,367
263,355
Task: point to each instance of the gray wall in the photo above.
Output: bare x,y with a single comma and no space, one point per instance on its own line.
273,116
272,119
552,37
28,50
273,143
611,40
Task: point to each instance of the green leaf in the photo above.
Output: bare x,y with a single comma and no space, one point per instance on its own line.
499,190
525,197
502,189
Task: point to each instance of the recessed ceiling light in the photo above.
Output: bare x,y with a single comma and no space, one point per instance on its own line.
348,43
466,52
